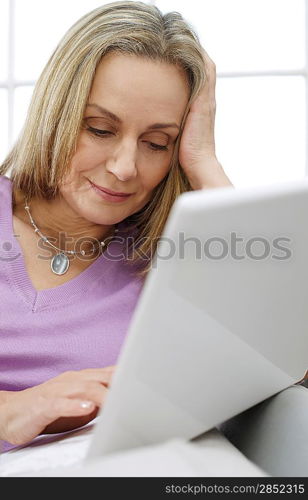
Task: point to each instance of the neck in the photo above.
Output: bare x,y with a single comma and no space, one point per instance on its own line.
57,221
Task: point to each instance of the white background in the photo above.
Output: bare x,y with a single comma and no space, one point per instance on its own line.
259,47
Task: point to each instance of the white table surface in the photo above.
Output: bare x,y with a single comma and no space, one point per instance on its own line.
210,455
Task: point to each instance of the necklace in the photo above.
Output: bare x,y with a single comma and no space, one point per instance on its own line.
60,262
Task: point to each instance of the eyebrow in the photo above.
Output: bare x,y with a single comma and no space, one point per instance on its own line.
115,118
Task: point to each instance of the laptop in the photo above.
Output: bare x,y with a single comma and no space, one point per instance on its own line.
221,322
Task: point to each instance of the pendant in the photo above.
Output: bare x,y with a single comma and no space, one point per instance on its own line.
59,264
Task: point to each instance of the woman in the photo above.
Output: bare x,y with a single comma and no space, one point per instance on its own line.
121,122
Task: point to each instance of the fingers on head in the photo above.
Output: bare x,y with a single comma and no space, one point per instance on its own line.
210,66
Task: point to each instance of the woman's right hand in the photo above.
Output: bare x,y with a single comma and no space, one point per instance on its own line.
63,403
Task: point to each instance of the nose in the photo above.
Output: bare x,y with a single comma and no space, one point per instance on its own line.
122,161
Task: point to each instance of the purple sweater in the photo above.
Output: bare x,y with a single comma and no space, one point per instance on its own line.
79,324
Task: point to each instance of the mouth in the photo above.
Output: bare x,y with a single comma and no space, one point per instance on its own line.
108,194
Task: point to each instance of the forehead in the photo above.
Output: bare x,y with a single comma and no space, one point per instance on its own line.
131,84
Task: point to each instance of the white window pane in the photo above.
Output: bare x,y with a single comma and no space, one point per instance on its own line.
247,35
22,97
260,129
4,16
39,27
3,124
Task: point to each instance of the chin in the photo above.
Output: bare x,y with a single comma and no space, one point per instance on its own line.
102,218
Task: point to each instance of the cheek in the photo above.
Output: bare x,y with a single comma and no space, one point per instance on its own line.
86,157
83,161
80,163
154,173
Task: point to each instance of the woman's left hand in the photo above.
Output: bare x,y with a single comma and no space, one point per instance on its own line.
197,154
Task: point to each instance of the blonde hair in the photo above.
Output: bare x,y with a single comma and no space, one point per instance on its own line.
42,154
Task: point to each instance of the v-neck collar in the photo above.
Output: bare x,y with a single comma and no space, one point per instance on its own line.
16,269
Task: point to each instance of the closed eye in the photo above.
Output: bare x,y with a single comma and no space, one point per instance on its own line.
99,133
158,147
105,133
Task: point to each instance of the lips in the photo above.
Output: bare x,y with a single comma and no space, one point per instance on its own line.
112,193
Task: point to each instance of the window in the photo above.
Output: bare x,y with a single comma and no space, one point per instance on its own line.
259,47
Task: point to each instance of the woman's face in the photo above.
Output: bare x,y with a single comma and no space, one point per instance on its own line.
130,126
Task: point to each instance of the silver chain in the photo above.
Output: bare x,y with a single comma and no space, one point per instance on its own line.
46,240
